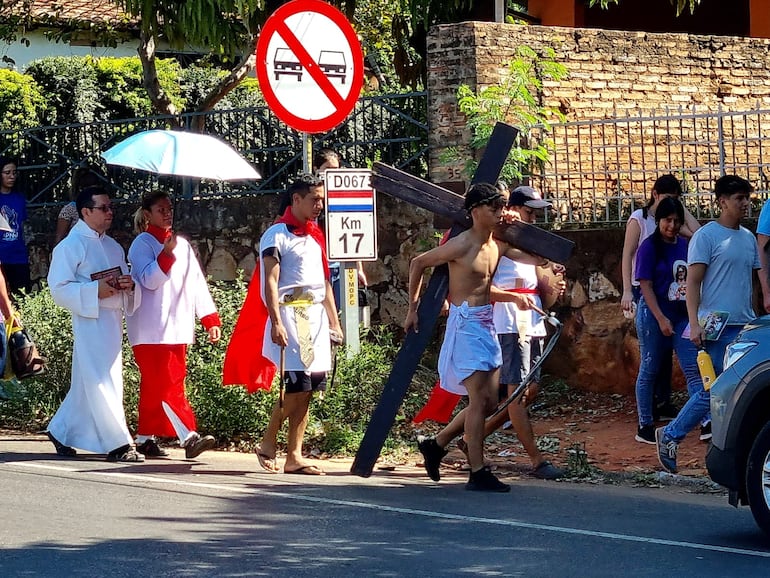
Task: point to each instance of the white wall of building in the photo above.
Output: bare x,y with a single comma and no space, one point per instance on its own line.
41,47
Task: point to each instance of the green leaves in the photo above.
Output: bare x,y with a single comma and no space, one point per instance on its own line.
516,100
680,5
21,101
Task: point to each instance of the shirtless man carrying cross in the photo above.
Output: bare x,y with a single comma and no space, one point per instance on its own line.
470,357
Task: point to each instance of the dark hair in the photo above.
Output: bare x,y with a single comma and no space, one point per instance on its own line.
301,186
664,185
87,176
483,194
149,199
667,207
8,161
324,155
731,184
85,198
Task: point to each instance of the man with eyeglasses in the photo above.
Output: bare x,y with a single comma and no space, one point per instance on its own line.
14,259
89,277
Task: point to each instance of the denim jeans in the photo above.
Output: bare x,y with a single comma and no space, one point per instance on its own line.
662,391
655,347
699,404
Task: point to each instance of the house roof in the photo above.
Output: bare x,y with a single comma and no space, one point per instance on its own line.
52,11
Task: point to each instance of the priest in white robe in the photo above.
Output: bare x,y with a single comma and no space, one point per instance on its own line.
89,277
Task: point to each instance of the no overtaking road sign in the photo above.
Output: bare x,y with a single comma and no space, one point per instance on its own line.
309,65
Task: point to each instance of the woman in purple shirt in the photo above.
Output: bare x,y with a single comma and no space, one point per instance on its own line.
661,268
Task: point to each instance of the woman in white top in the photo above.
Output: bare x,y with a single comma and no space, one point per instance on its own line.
640,225
173,282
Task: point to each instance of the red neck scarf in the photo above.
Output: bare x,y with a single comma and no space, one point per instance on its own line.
307,228
159,233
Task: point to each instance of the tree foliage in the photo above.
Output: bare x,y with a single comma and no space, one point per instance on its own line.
515,100
680,5
21,101
226,28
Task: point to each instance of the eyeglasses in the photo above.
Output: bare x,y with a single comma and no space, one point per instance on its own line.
103,208
14,173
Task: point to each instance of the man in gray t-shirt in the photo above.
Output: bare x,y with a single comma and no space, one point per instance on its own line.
721,258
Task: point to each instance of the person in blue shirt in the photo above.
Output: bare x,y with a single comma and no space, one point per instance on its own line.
14,259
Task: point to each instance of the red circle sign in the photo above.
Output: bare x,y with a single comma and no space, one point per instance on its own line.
309,65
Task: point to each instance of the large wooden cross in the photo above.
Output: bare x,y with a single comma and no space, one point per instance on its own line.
443,202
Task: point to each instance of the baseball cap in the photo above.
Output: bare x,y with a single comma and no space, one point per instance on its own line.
483,194
527,196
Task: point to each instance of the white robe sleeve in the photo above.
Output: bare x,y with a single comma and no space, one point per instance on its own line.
144,263
69,290
204,304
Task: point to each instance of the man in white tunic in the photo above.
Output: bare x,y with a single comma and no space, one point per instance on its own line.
296,313
88,276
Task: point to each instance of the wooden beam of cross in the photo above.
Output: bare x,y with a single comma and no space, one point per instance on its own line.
446,203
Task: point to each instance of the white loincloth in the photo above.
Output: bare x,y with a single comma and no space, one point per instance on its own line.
470,345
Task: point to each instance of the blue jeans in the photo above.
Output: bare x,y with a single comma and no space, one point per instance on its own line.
662,391
655,347
699,404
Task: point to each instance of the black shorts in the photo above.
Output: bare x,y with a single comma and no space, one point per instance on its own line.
297,382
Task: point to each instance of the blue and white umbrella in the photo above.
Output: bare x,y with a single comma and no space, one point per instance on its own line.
189,154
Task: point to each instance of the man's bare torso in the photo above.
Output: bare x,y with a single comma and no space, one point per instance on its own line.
470,274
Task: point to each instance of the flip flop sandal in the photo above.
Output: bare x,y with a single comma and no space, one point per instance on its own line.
309,470
268,463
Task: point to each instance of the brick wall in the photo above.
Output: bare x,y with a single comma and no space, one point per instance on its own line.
610,73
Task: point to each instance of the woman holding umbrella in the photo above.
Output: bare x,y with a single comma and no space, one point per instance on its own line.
174,292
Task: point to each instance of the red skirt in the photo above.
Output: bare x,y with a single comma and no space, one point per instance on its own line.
163,369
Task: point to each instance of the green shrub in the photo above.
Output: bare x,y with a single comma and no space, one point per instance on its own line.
121,87
70,86
21,102
83,89
341,417
337,422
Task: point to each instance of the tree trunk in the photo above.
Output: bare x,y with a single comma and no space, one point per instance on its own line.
158,97
228,83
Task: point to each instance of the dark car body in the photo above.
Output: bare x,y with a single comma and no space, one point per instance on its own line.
739,455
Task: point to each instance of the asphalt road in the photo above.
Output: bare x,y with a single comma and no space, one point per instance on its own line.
220,516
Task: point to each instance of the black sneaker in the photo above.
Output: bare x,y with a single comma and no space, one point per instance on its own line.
151,449
705,432
125,454
432,455
196,445
61,449
646,434
666,411
484,480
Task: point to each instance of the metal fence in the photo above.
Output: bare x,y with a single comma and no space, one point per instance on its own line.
388,128
601,170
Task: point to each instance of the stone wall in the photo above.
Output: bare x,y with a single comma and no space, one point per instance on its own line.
225,233
598,351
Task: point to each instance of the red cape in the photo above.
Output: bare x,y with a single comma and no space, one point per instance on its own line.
244,363
439,406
